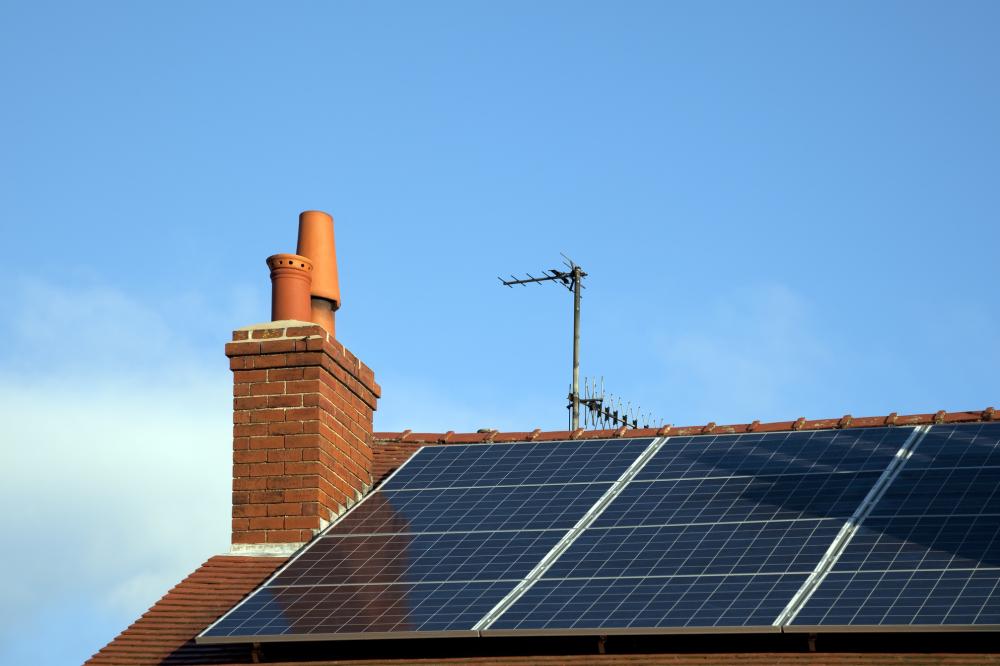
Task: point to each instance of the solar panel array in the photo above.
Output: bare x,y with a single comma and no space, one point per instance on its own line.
705,533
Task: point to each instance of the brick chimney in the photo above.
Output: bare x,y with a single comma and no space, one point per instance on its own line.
302,425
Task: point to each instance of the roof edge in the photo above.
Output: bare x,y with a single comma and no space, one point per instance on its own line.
711,428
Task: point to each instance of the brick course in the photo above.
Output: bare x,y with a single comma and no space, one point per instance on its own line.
302,431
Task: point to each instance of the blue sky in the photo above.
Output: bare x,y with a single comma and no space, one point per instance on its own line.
786,209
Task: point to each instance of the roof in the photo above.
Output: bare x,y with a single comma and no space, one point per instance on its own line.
165,634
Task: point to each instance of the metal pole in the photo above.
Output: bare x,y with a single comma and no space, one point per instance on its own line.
576,347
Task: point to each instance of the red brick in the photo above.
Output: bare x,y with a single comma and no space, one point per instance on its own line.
284,482
301,495
266,469
249,430
269,442
277,346
249,403
266,496
267,415
267,388
284,428
241,390
272,361
248,537
284,374
267,523
241,470
249,456
250,484
284,536
284,401
304,440
303,468
250,376
302,522
242,524
283,455
302,414
249,510
303,386
285,509
302,358
241,348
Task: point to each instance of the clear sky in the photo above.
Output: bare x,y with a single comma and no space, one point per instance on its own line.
786,209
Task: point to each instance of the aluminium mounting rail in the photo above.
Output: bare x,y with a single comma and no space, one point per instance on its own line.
567,540
850,527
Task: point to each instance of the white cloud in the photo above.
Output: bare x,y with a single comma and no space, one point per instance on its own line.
117,436
748,356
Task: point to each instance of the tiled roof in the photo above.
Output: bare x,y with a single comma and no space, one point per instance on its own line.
165,634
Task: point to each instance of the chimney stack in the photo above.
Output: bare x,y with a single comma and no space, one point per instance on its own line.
302,406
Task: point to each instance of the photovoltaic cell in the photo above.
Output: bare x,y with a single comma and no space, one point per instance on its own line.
929,551
518,464
663,603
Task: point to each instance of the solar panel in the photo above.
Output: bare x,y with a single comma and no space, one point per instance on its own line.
693,534
434,549
714,531
929,552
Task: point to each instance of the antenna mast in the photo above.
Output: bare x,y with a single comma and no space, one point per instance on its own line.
573,281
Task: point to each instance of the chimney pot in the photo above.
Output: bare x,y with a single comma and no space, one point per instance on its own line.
316,241
291,279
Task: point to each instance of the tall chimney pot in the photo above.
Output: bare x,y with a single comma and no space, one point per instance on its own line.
316,241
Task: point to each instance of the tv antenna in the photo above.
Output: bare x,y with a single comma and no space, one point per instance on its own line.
607,412
573,281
